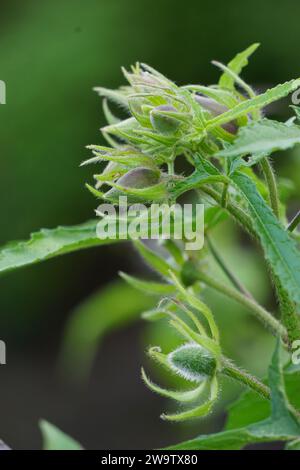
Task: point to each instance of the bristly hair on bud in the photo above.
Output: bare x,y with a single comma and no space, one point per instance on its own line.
193,362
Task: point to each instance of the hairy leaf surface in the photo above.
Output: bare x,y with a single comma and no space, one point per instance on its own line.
260,101
262,137
236,65
48,243
279,248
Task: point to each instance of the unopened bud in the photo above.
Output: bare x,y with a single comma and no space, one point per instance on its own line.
215,109
163,123
139,178
193,362
136,178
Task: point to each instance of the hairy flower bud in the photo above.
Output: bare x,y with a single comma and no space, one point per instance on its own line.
193,362
163,123
215,109
137,178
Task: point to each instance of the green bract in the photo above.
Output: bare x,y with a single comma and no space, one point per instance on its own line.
137,178
163,119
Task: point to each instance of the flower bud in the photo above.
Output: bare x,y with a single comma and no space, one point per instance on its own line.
189,273
215,109
163,123
137,178
192,362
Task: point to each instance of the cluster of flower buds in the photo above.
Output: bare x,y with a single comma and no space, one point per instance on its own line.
164,121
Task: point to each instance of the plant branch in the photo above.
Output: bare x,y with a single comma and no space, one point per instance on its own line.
231,276
224,200
234,372
265,317
271,183
240,216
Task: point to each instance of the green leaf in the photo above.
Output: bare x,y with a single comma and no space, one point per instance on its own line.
253,104
261,138
99,314
149,287
213,216
153,259
297,111
279,248
48,243
55,439
156,192
174,250
220,96
128,158
249,408
109,116
154,314
204,173
227,440
283,422
4,446
116,96
121,128
236,65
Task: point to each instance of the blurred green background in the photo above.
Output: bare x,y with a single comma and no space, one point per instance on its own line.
51,55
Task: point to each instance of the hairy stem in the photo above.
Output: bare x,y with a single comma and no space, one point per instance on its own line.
231,276
240,216
234,372
294,222
225,196
289,316
271,183
265,317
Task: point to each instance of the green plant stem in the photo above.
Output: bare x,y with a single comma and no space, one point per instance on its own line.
289,317
171,167
294,222
271,183
236,78
240,216
225,196
265,317
231,276
232,371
